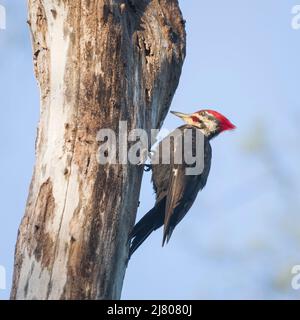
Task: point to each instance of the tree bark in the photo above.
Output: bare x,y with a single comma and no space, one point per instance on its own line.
96,62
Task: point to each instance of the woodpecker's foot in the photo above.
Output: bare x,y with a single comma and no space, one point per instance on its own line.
147,167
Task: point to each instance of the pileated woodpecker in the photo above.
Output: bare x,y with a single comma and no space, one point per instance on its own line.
175,190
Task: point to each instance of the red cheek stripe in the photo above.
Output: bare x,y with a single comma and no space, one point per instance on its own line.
195,119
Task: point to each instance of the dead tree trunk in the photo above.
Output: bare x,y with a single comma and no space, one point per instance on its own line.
97,62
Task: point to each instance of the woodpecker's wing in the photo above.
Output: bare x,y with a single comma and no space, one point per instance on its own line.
174,196
182,192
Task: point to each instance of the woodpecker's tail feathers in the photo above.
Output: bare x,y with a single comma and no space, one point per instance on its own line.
151,221
167,234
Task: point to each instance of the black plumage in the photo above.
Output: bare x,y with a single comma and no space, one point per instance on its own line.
175,190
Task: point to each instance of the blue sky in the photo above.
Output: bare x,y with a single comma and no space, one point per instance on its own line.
242,236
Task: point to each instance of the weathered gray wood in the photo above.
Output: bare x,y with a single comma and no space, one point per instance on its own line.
97,62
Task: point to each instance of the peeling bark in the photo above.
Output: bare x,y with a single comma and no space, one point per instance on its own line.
96,62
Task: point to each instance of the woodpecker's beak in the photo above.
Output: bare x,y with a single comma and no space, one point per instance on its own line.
180,115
